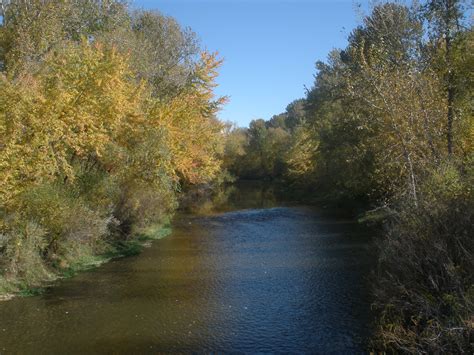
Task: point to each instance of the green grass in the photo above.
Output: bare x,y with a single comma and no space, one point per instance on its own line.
135,245
84,263
154,232
31,291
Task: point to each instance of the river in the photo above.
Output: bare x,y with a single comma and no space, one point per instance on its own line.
253,273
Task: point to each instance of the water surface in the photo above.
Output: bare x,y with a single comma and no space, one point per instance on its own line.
268,278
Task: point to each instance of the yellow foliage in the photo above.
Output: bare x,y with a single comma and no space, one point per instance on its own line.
73,107
195,136
301,155
83,104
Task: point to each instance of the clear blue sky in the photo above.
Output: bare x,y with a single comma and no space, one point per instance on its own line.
269,46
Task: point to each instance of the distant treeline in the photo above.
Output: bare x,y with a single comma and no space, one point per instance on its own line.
105,114
389,121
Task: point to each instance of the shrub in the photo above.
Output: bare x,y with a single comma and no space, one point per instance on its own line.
22,262
140,206
425,290
64,216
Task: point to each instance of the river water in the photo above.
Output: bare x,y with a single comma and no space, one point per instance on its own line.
250,274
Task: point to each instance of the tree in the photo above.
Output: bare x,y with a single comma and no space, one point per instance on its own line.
32,28
79,103
161,51
236,145
98,131
446,19
194,133
295,114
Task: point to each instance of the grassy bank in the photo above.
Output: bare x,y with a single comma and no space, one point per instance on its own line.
85,259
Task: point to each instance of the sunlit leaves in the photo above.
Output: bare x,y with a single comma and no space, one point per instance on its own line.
83,106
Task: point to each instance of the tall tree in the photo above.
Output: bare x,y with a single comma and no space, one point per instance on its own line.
446,20
32,28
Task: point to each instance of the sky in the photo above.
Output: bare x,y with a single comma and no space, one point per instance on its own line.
269,47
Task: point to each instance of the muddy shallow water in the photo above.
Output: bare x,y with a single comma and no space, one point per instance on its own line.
261,275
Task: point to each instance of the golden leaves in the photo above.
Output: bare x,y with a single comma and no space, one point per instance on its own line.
84,104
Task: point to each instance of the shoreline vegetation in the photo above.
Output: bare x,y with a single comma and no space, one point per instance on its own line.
387,131
106,116
87,262
108,119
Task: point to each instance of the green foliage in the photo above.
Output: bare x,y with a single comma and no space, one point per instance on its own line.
236,145
389,123
32,28
260,151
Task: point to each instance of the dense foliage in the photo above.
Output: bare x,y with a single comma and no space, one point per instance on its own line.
389,123
105,114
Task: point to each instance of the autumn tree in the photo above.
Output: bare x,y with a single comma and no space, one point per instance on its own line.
98,132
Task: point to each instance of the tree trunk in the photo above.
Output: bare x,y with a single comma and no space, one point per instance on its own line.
411,177
449,12
450,92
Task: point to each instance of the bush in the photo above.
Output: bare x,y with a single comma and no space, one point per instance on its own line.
21,259
425,289
140,206
64,216
67,229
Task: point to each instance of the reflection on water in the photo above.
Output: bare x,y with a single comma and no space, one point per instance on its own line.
244,195
273,279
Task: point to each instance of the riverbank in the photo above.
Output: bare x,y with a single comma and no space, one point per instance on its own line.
10,288
35,270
